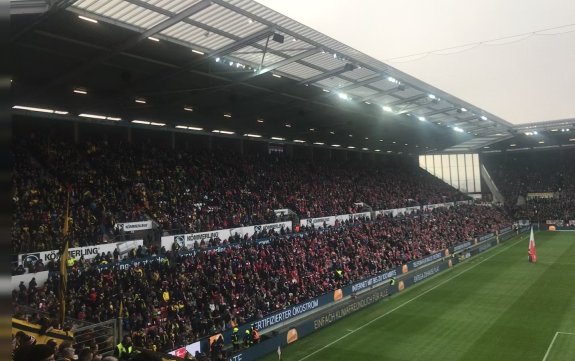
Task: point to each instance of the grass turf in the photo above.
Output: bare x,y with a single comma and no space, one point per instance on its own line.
495,306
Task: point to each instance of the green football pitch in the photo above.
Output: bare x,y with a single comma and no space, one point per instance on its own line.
495,306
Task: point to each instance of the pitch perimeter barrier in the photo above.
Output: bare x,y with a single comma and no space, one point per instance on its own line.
319,320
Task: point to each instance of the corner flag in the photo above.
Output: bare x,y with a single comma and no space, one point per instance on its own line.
279,352
532,251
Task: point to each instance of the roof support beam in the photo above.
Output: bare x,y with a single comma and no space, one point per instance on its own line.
363,82
196,8
411,108
407,100
243,42
287,61
383,93
347,67
440,111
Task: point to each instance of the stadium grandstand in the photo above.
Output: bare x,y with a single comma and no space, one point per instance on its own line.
214,180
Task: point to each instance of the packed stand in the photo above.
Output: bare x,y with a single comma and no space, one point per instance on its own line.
516,175
27,348
187,296
46,171
190,191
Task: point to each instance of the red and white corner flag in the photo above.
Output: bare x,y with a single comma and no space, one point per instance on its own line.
532,251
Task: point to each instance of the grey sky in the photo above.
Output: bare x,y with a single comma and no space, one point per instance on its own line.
524,81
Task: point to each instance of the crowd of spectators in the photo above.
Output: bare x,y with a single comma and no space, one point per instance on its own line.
188,191
26,348
518,174
187,296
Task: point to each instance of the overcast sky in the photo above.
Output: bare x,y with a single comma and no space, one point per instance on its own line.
523,81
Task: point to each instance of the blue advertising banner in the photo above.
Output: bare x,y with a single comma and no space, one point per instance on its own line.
426,260
485,237
371,281
461,247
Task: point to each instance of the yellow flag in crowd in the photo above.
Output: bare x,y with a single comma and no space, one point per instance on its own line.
63,265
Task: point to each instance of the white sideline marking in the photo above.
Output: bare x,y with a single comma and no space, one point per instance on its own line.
550,345
553,341
409,301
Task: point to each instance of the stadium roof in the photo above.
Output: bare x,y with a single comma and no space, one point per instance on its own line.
231,65
511,58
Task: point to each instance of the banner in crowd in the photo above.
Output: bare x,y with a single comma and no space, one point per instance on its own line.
318,222
190,239
438,205
330,221
353,216
134,226
523,222
532,195
384,212
129,263
78,252
572,222
281,212
557,222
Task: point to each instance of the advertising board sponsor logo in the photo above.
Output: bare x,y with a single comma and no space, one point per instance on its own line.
426,260
136,263
372,281
130,226
200,236
292,336
30,258
462,246
341,312
426,274
287,314
134,226
78,252
337,295
486,237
